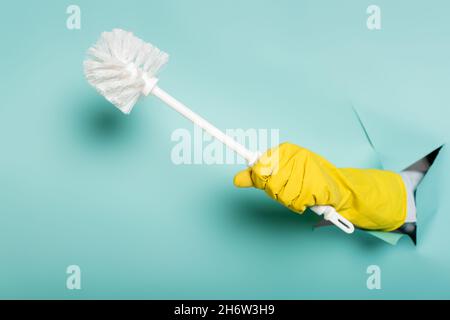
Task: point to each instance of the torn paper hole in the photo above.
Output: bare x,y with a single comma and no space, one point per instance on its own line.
412,176
413,173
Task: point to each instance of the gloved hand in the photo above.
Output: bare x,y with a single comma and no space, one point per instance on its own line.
298,178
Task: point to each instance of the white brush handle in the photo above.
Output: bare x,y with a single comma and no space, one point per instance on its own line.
205,125
328,212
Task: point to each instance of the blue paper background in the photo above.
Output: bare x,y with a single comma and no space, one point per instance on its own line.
82,184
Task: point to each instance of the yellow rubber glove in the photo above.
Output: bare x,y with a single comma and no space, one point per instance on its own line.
298,178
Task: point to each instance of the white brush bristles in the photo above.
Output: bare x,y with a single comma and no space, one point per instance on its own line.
121,67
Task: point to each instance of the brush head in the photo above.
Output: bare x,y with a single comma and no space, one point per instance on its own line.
123,67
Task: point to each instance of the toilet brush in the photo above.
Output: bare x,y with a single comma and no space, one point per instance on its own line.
123,68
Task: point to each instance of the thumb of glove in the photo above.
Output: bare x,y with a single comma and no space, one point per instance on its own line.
244,179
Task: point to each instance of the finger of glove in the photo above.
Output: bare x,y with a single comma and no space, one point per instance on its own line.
258,175
277,181
243,179
271,162
263,168
292,191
